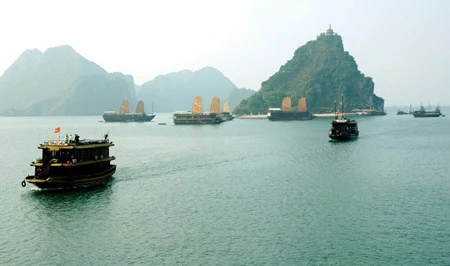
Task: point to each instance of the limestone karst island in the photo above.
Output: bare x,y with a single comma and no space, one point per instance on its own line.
321,71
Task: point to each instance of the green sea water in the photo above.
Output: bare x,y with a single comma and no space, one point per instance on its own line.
246,192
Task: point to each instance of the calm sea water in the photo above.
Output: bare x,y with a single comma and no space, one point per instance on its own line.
246,192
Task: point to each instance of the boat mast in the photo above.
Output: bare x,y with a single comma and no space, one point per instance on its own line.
335,110
342,103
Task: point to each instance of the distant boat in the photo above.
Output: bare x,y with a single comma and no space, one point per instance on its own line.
424,113
125,116
226,114
285,112
400,112
370,111
342,128
196,116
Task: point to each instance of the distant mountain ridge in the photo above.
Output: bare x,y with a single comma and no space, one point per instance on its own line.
321,71
59,81
176,91
237,96
62,82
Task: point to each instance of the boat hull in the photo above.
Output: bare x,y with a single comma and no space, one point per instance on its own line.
289,116
420,115
130,117
343,137
197,119
72,182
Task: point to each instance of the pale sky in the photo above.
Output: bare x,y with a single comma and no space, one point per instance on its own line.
404,45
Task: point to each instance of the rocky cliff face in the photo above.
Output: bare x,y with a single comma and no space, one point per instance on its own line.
321,70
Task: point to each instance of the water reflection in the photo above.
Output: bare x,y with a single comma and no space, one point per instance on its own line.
65,204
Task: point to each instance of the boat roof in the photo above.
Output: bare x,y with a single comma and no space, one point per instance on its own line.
274,109
183,112
190,113
82,144
344,121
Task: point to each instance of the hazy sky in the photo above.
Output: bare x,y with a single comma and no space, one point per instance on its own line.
403,45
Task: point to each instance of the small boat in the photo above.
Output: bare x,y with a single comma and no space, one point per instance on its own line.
285,113
400,112
342,128
369,111
72,164
125,116
226,113
424,113
196,116
161,123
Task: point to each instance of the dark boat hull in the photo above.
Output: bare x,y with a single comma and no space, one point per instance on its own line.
72,182
428,114
197,119
343,137
117,117
289,116
402,113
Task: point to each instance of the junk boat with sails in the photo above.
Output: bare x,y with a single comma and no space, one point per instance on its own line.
285,112
196,116
226,113
342,128
72,164
125,116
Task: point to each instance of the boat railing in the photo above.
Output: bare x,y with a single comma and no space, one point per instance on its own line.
73,142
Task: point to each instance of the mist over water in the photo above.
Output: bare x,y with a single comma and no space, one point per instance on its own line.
243,192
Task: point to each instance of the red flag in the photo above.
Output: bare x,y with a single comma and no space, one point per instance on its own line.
57,130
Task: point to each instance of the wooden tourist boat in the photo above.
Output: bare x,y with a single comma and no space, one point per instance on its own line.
72,164
424,113
285,112
196,116
126,116
342,128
